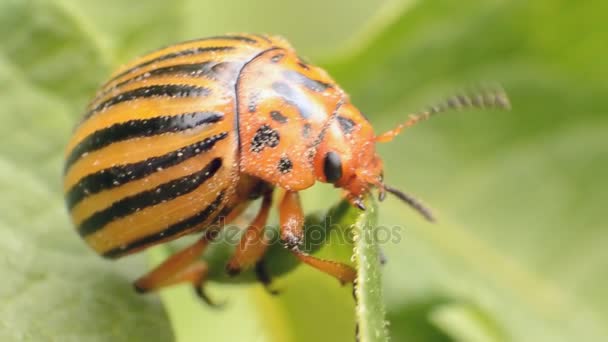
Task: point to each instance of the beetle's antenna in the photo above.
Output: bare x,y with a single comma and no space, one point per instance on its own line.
412,202
494,97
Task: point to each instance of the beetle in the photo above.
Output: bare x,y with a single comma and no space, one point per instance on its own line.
189,135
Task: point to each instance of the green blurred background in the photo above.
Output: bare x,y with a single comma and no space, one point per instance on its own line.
519,253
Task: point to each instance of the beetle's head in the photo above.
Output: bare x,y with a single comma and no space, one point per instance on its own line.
346,152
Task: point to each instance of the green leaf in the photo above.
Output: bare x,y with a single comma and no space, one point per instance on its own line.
466,322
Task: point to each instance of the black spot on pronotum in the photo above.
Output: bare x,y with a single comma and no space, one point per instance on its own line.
278,117
265,136
347,125
332,167
285,165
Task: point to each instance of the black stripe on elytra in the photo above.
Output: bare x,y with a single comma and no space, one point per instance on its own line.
162,193
158,90
118,175
193,70
140,128
187,52
172,230
305,81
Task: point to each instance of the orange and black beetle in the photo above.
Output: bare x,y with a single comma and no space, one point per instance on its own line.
192,133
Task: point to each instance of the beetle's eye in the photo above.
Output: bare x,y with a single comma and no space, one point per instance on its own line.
332,167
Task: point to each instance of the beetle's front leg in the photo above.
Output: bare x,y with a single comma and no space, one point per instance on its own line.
291,219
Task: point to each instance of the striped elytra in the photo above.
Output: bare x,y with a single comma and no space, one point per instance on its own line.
188,135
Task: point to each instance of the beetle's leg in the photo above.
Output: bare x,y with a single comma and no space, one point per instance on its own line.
182,267
253,244
261,273
291,219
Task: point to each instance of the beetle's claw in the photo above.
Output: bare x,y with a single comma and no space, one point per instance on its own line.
357,202
271,291
233,271
264,277
200,292
139,289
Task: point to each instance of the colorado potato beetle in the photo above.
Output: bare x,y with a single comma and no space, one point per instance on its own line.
190,134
